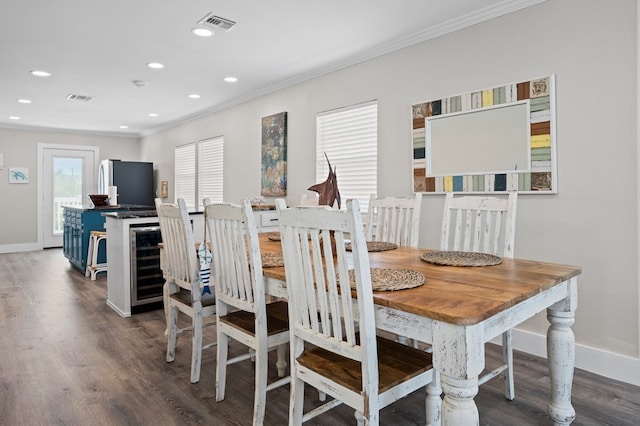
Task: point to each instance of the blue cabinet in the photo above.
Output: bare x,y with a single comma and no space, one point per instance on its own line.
78,224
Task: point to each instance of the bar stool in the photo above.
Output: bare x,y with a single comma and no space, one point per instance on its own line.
93,267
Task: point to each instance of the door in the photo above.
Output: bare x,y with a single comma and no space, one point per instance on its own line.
68,175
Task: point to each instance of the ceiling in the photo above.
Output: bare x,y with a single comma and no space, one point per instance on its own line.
97,49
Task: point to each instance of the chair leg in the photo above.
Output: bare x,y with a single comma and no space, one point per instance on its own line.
173,333
507,357
87,269
260,397
221,365
167,309
434,401
296,401
196,344
281,363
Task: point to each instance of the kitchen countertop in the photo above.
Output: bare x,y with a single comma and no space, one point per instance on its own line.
134,214
122,207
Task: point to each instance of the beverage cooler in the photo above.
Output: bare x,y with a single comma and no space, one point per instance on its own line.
146,275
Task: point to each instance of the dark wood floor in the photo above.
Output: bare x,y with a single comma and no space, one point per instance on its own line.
68,359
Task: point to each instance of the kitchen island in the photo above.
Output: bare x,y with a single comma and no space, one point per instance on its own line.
79,221
125,230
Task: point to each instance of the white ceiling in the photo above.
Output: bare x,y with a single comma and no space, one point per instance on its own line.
97,48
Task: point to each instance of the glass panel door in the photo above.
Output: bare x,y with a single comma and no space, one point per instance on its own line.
69,176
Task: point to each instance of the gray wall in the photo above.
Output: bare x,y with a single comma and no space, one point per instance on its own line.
591,48
19,215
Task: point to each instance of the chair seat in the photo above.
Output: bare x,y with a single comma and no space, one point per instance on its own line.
184,296
396,363
277,319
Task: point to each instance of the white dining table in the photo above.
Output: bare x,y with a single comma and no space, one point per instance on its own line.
459,309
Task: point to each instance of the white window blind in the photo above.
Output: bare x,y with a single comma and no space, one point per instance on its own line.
199,172
349,137
210,170
185,174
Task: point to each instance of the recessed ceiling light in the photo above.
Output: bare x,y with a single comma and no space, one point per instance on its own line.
194,96
153,114
24,101
202,32
155,65
14,117
124,127
230,79
40,73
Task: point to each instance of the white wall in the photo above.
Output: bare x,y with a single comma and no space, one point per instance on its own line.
591,48
19,215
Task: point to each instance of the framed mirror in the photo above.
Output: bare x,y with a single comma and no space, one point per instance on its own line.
493,140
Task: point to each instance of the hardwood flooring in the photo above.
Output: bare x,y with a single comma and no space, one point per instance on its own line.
68,359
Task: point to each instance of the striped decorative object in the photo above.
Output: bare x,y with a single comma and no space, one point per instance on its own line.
539,179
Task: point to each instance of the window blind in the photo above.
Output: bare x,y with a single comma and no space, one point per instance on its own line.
185,174
349,137
210,170
199,172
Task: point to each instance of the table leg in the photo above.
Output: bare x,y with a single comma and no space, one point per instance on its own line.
561,356
458,358
458,406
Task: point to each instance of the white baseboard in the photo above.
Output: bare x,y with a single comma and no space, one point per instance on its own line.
15,248
612,365
118,310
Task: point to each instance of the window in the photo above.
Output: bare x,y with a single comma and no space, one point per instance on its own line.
199,172
349,138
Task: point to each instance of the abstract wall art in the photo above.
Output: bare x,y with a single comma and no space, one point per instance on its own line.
274,155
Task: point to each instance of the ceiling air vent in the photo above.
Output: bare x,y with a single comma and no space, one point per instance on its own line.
216,23
83,98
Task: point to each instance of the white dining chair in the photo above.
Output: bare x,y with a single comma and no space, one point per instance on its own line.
394,219
487,225
182,288
334,346
242,313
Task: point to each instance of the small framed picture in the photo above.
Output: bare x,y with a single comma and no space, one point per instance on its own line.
18,175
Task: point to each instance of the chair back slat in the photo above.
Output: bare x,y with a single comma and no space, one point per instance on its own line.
236,266
181,265
480,224
394,219
324,308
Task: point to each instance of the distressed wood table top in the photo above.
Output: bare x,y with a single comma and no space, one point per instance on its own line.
454,294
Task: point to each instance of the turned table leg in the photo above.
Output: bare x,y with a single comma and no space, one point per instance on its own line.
561,356
458,406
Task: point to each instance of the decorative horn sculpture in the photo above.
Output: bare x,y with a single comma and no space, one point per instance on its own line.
328,190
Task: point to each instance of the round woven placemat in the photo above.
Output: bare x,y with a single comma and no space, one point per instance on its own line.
274,236
272,260
390,279
460,258
376,246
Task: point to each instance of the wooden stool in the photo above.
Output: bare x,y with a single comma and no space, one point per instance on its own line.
93,267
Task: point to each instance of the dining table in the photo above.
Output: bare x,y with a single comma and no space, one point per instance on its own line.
458,309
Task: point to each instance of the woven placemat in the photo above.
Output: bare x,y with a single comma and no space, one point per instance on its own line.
460,258
273,236
272,260
390,279
376,246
